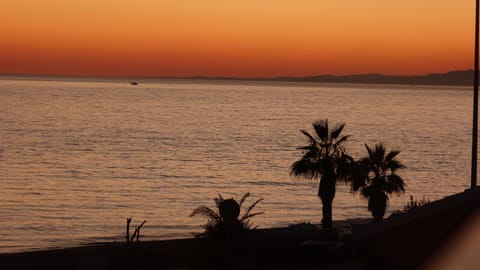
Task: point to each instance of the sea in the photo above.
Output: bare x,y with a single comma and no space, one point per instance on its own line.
79,157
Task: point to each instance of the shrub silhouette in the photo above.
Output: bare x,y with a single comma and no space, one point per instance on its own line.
414,204
227,221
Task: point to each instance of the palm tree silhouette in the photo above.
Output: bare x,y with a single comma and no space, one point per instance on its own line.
376,177
324,158
227,221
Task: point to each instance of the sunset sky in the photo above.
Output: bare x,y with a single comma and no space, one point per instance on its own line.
244,38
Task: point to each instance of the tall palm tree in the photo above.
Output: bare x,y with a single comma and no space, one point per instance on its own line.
324,158
376,177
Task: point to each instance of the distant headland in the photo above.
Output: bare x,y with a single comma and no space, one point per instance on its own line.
459,77
451,78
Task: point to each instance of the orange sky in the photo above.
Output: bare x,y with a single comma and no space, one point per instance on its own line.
244,38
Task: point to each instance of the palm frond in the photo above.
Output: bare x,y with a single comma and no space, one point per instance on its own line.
370,153
391,155
252,206
244,197
337,130
395,184
358,176
312,139
346,168
342,140
394,165
304,167
307,148
379,153
245,217
321,128
358,183
206,212
247,224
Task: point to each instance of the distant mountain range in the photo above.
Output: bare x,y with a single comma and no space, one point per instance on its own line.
449,78
461,77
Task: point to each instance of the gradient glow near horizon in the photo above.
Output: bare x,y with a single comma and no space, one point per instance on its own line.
247,38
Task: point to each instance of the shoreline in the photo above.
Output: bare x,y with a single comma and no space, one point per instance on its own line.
256,247
403,241
338,224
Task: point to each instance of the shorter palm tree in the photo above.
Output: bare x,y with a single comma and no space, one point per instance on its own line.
226,222
376,177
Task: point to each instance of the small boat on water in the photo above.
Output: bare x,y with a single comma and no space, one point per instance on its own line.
134,83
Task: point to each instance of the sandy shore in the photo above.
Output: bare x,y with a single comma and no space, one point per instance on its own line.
405,241
280,248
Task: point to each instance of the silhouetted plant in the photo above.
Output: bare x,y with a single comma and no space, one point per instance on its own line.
324,158
227,220
414,204
376,177
136,233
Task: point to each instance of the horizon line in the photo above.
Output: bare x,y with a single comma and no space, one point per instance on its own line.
206,77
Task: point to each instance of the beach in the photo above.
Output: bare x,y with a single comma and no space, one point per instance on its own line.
303,245
412,240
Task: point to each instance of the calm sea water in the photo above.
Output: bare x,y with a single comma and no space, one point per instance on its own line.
78,158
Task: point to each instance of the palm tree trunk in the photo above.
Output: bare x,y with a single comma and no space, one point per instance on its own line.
377,204
326,192
327,212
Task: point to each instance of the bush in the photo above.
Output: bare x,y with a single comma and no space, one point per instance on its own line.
414,204
226,221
